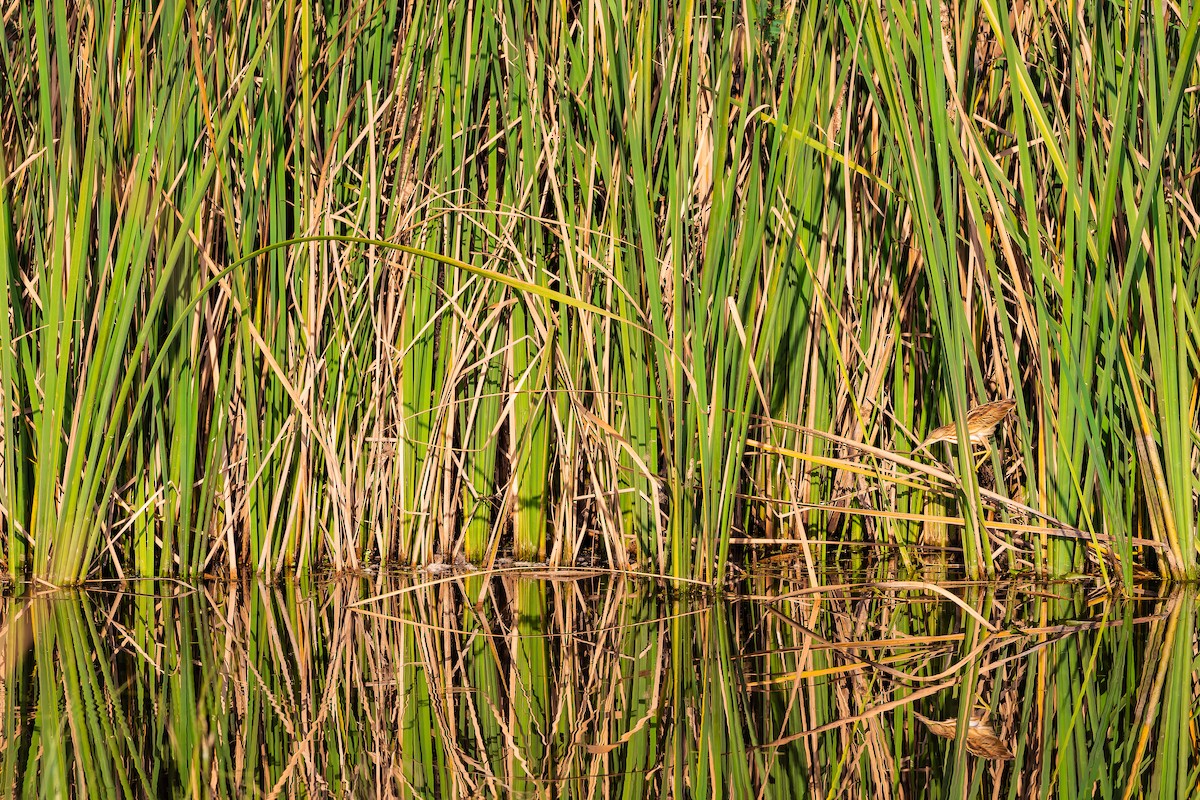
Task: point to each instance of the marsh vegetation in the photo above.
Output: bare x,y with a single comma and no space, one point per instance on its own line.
303,285
326,323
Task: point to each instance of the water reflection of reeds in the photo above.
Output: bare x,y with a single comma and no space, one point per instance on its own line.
595,687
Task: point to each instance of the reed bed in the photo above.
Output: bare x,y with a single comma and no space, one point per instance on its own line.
594,687
659,285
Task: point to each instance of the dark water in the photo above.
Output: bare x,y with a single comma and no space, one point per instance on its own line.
596,687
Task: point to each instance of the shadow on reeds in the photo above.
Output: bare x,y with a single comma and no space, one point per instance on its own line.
597,686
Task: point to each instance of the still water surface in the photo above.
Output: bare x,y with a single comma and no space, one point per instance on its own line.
590,686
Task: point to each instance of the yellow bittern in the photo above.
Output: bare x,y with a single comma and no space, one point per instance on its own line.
982,422
981,739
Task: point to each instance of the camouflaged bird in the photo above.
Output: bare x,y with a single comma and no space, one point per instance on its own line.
981,739
981,424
